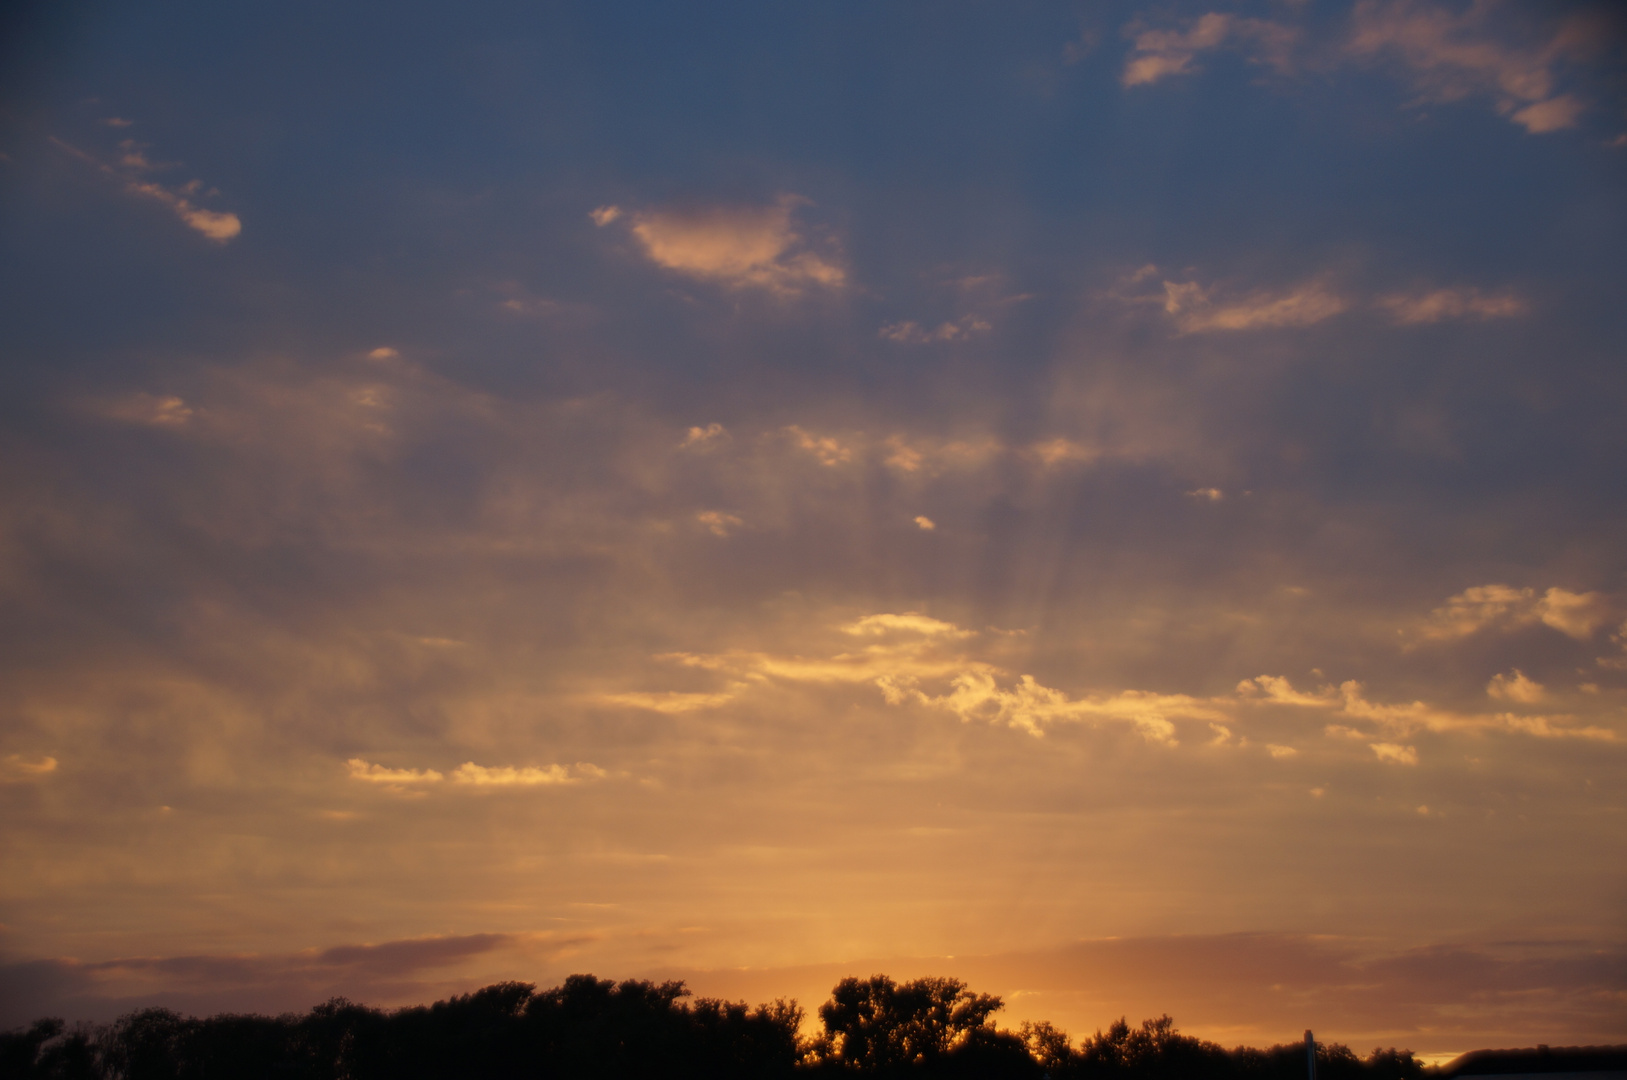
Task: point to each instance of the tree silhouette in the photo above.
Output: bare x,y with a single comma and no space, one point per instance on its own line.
596,1029
879,1026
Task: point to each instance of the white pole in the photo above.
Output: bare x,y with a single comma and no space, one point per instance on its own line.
1310,1055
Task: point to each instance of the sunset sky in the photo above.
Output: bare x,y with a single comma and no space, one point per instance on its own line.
1122,504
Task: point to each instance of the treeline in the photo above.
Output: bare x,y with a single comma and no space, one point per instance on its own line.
595,1029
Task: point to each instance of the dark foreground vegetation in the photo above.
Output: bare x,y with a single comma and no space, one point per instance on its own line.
593,1028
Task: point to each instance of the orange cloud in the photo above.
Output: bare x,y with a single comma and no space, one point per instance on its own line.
740,247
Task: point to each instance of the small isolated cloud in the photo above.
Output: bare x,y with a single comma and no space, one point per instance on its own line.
1514,687
152,409
925,523
826,449
1280,752
15,767
1455,304
1576,615
697,437
604,215
1158,54
383,353
1394,753
1208,494
717,522
740,247
1454,53
1195,310
912,333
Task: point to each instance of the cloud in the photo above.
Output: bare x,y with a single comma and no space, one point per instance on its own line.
1577,615
1395,753
1208,494
1450,55
1454,304
718,523
156,410
509,776
1514,687
1555,114
925,523
911,653
218,226
827,449
15,767
909,622
739,247
604,215
701,437
1159,54
379,774
380,973
668,701
1194,311
470,774
1399,721
1059,451
912,333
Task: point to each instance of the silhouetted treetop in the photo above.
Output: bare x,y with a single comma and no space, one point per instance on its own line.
596,1029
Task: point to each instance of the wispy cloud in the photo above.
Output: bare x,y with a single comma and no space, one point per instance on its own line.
1450,54
1159,54
1441,305
913,333
131,172
1196,309
1395,721
14,767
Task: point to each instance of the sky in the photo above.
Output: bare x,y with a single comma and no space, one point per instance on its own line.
1120,503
